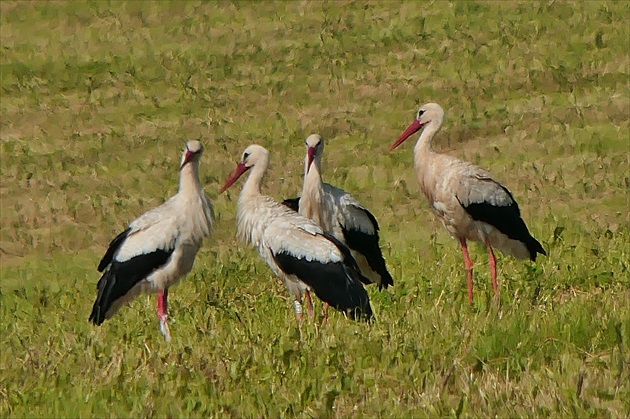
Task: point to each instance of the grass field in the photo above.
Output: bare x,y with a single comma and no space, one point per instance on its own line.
99,97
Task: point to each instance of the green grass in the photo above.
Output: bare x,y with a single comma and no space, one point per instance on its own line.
98,98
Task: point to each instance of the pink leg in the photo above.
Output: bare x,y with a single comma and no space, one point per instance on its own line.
469,268
325,314
162,313
309,304
493,268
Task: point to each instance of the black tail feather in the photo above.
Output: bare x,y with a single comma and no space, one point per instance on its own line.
534,247
103,299
293,203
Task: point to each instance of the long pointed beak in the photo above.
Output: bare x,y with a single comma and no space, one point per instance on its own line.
310,155
187,158
411,129
240,169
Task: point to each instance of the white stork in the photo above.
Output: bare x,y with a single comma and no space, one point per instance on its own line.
158,248
468,201
296,249
340,215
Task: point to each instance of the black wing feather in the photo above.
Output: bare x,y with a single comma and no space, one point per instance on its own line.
293,203
113,247
507,219
369,215
121,277
336,283
368,246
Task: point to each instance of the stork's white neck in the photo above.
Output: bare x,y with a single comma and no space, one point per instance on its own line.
195,207
423,145
312,190
313,175
254,180
251,209
189,182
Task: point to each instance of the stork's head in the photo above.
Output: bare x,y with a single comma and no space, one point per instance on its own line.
314,149
431,113
193,152
253,155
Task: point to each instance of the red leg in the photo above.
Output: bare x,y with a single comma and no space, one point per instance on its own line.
162,303
469,268
325,314
162,313
493,268
309,304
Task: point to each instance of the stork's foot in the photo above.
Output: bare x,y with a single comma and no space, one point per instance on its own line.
299,311
166,331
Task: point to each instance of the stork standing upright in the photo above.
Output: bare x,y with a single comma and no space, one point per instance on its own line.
296,249
340,215
158,248
468,201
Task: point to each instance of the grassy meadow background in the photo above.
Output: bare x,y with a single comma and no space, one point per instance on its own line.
99,97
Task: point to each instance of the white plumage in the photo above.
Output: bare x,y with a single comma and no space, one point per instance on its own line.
466,199
339,214
296,249
158,248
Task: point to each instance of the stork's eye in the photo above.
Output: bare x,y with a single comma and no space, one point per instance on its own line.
245,156
420,113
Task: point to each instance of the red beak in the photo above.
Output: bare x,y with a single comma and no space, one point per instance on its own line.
310,153
240,169
411,129
189,156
